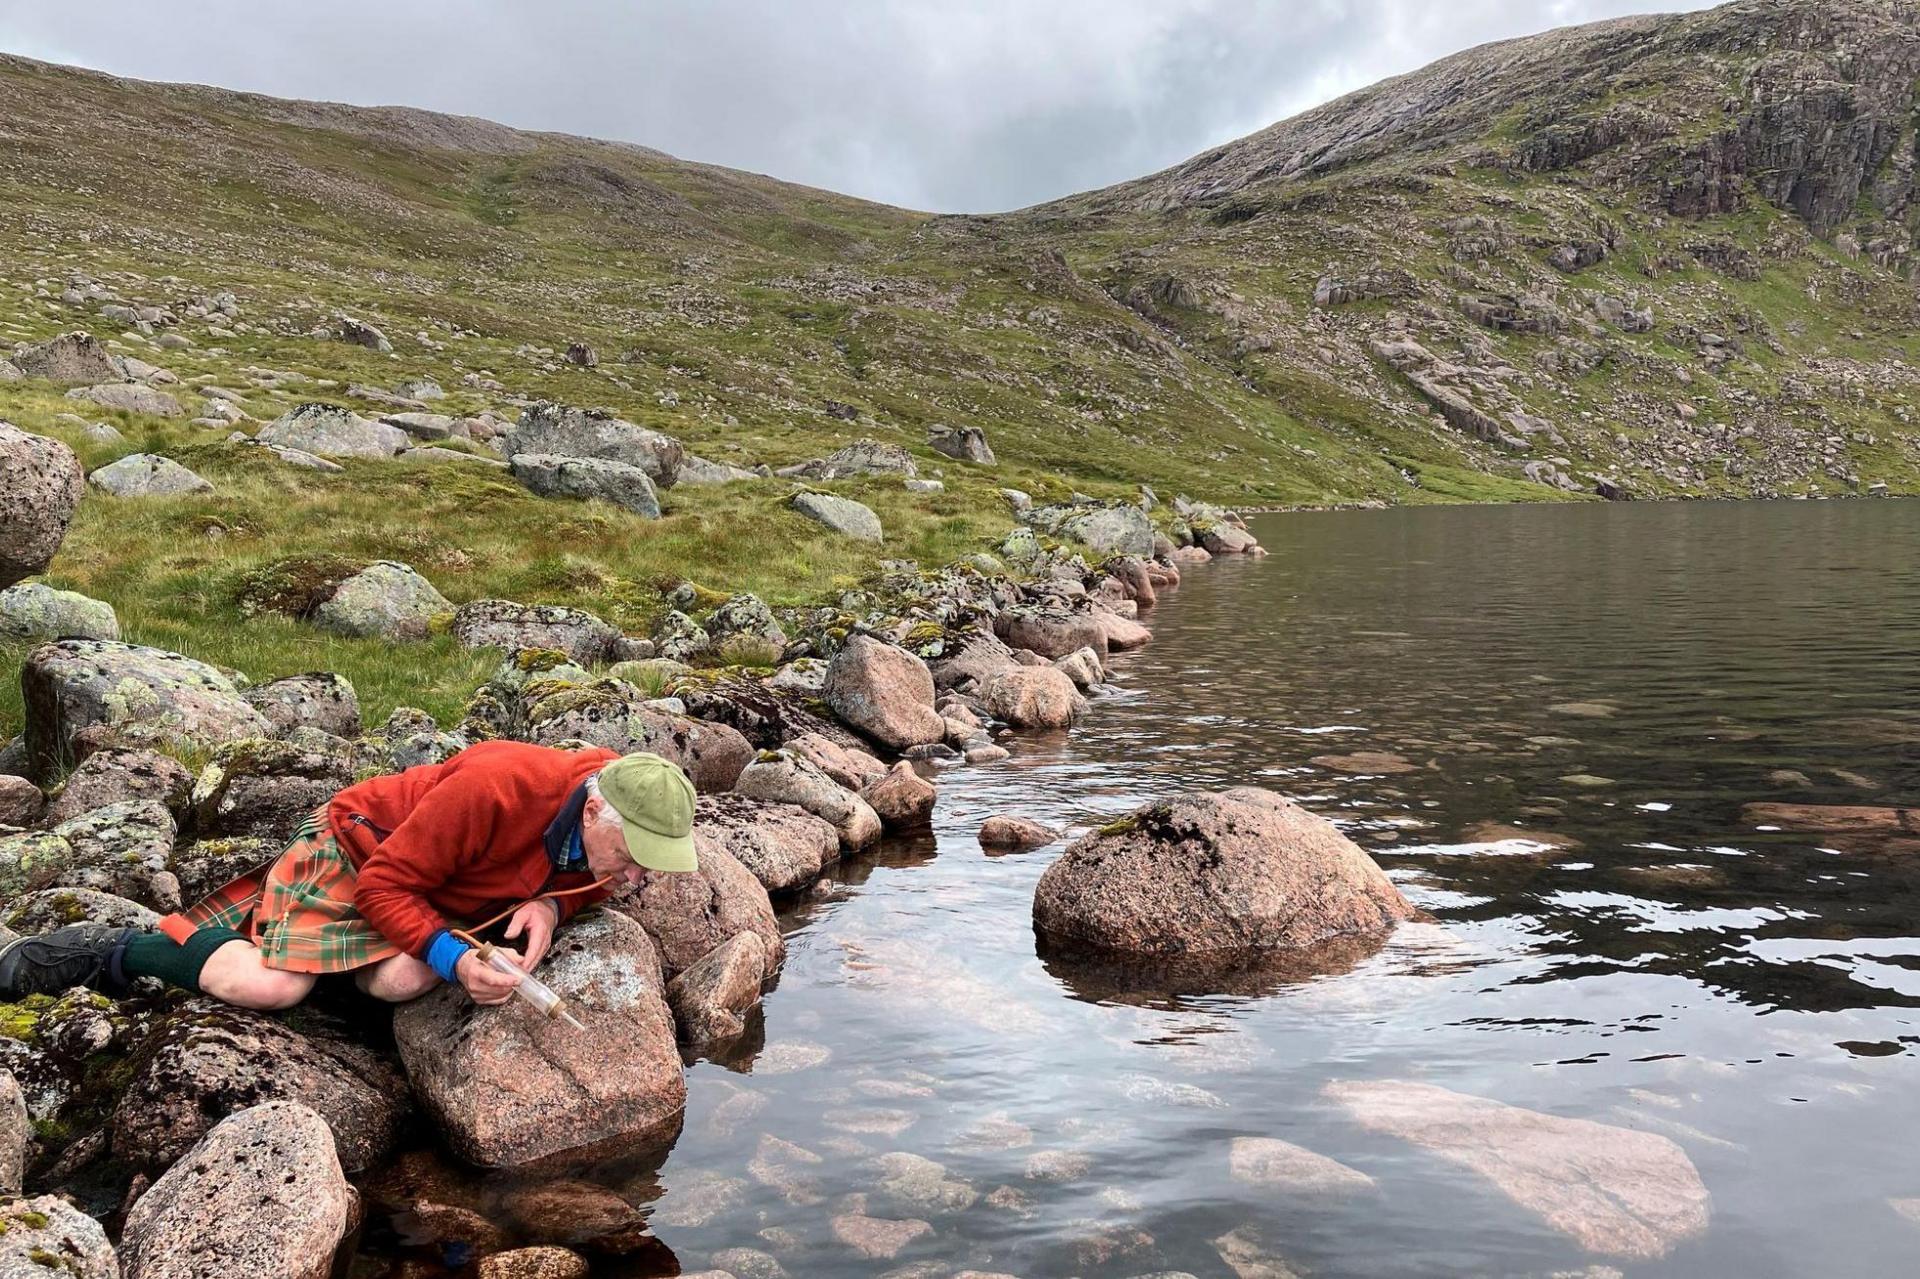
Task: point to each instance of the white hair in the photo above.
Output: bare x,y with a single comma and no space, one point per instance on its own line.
609,815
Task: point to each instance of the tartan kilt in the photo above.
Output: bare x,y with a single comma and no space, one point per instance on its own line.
298,908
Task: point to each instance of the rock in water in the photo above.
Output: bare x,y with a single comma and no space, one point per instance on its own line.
624,485
384,600
1268,1161
40,483
885,692
34,610
1052,632
1034,697
49,1237
508,1086
1614,1190
327,430
1241,872
903,799
783,845
784,777
689,915
1015,833
710,1000
555,429
147,475
262,1195
142,696
841,514
210,1059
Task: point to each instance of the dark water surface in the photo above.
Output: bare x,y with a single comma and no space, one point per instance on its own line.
1619,678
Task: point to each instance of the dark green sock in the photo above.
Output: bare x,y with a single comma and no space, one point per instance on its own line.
157,955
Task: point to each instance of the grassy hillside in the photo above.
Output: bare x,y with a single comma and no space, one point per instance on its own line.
1531,220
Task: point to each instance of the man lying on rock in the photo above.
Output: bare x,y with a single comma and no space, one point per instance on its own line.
374,881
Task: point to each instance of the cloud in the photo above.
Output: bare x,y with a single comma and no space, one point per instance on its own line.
957,107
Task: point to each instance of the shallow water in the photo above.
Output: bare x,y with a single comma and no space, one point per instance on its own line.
1751,995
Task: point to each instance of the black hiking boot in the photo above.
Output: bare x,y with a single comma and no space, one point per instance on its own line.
77,955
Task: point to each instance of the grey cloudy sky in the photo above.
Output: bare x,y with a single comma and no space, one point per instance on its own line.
949,105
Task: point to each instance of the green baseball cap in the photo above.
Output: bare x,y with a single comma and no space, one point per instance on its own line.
655,803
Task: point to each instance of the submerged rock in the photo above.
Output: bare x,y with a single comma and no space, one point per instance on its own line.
710,1000
262,1195
508,1086
40,485
1613,1190
1015,834
1268,1161
1240,872
877,1237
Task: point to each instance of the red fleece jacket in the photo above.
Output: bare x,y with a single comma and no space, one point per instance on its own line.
444,845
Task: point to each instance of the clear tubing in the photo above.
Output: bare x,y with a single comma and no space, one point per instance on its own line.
529,987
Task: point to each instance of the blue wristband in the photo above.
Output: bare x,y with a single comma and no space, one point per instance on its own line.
443,953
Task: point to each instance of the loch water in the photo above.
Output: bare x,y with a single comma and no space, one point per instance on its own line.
1570,708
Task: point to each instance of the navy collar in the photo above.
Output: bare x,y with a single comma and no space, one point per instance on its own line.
563,833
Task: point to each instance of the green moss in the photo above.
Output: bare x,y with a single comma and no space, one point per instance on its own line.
539,659
1123,826
295,586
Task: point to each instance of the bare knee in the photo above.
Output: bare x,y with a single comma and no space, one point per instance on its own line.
235,975
398,979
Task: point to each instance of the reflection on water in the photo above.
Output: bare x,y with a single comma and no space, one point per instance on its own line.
1544,723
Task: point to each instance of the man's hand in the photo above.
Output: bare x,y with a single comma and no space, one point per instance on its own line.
537,919
485,983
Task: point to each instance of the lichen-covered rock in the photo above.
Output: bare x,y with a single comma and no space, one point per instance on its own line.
782,777
711,999
783,845
72,359
384,600
21,802
507,1086
115,776
144,696
319,699
748,616
327,430
124,848
261,1195
15,1135
841,514
208,1060
853,768
129,397
678,638
49,1238
624,485
902,798
583,637
963,443
556,429
147,475
34,610
357,332
1082,667
1107,530
410,737
862,457
1222,538
972,659
768,713
1241,872
266,787
51,908
1051,632
40,484
1033,697
612,714
206,864
689,914
884,692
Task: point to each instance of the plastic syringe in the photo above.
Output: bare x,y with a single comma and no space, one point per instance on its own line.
529,987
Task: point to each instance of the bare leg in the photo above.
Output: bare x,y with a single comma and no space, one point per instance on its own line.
397,979
235,975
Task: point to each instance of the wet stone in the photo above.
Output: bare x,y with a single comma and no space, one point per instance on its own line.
1268,1161
877,1237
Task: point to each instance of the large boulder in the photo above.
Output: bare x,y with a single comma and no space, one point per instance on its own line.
147,475
973,658
862,457
769,714
556,429
1120,529
504,624
34,610
266,788
784,777
841,514
711,999
688,914
698,470
40,483
327,430
1222,538
1122,633
139,696
612,714
1239,873
261,1195
122,776
72,359
902,798
129,397
356,332
208,1060
746,616
124,848
964,443
1616,1191
51,908
621,483
49,1238
507,1086
1051,631
784,846
1033,697
853,768
318,699
384,600
883,691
